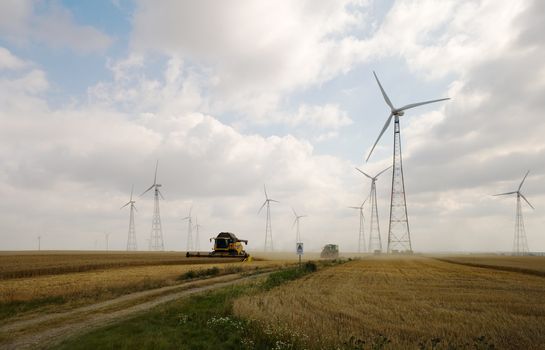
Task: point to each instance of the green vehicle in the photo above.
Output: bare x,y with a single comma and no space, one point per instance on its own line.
330,251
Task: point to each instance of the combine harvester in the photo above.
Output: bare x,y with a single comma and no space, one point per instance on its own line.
226,245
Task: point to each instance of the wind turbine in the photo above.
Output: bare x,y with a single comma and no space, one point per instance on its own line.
268,228
197,228
361,234
106,238
131,240
156,240
520,244
189,230
296,222
399,236
375,242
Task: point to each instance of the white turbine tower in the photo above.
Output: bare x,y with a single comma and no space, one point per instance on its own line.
268,227
361,233
296,222
131,240
520,244
156,239
375,242
399,236
189,230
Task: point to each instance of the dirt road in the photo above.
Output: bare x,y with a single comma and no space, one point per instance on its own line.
46,330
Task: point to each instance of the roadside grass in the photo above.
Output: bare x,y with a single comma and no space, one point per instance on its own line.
203,321
11,309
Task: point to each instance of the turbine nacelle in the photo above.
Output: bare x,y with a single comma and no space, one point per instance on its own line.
397,112
517,192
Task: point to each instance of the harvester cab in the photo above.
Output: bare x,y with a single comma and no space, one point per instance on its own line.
226,243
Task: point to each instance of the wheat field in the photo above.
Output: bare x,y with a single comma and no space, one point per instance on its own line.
30,264
405,302
79,278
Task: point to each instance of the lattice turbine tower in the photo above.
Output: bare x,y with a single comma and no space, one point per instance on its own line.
520,243
399,236
189,219
268,227
375,241
156,237
361,231
131,239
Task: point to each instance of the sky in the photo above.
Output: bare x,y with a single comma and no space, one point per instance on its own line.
230,95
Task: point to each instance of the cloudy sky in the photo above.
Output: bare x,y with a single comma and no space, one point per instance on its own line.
231,95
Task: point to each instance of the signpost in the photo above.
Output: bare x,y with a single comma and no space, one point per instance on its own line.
299,251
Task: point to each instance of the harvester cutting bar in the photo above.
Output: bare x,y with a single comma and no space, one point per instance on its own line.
215,255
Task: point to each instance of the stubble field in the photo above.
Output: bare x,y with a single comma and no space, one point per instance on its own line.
407,302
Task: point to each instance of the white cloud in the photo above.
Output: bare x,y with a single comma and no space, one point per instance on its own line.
14,17
257,51
22,23
75,164
10,61
326,117
440,38
71,167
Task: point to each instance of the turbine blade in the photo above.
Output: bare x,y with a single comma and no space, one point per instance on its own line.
353,207
272,200
294,213
412,105
259,211
386,125
134,206
520,186
506,193
382,171
361,171
125,205
163,198
362,204
155,177
265,190
146,191
531,206
294,222
132,189
384,92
